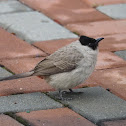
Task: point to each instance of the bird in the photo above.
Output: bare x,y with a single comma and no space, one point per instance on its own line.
67,67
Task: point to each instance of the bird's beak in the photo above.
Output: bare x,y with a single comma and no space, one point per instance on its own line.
98,40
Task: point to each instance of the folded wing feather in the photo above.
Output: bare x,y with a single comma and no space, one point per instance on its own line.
63,60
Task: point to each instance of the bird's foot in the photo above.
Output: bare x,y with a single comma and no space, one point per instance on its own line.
61,95
71,90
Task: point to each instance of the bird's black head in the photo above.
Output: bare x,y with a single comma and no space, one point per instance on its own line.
90,42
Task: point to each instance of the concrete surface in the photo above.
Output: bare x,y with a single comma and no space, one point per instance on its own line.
95,103
4,73
27,102
34,26
116,11
12,6
121,54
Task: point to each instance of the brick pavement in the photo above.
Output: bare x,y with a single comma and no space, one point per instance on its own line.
32,29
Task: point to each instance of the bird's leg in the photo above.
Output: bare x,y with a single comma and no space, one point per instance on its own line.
60,95
71,90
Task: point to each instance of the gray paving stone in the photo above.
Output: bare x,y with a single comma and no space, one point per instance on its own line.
27,102
121,54
95,104
116,11
4,73
34,26
12,6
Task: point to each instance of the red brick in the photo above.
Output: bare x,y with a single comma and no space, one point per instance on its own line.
95,3
113,79
114,42
62,3
21,65
109,60
99,29
52,45
65,16
55,117
64,11
114,123
8,121
25,85
12,47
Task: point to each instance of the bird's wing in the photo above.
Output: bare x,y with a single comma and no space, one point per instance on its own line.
63,60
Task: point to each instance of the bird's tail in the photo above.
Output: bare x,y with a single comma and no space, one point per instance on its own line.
22,75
